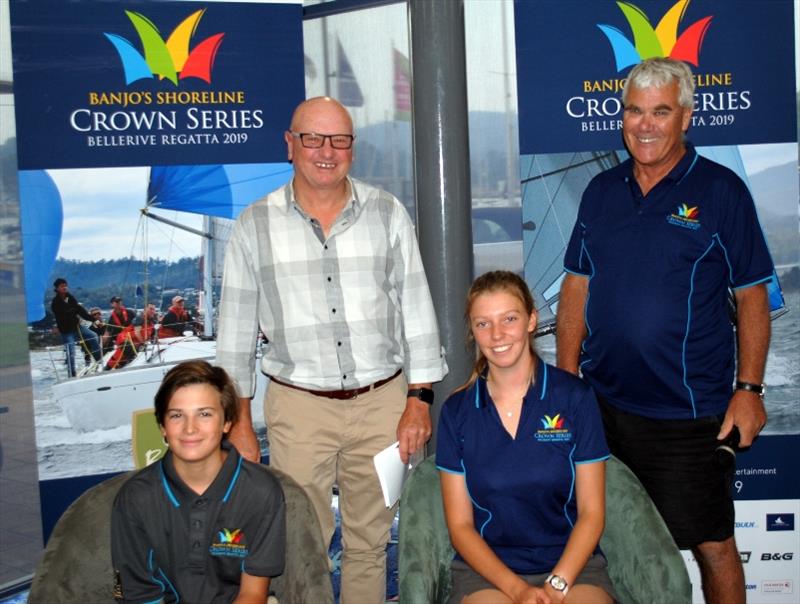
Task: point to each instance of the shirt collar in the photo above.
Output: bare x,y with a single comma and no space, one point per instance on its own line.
538,389
681,169
290,201
220,489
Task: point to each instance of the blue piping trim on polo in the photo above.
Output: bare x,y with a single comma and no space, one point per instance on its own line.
544,382
592,460
685,174
688,326
571,486
441,469
233,481
759,282
586,305
725,253
168,490
152,573
475,503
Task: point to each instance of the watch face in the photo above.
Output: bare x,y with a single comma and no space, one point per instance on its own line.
558,583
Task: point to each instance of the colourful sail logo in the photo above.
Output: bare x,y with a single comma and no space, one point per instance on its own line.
228,536
171,59
686,212
661,41
553,423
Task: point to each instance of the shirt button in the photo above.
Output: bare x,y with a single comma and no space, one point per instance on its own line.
333,311
338,343
197,524
344,377
329,279
196,544
325,246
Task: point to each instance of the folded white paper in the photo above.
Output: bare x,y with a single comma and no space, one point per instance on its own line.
392,472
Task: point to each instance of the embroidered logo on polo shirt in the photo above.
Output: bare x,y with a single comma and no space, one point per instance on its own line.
229,543
686,217
553,430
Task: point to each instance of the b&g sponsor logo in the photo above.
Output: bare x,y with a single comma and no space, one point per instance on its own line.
776,557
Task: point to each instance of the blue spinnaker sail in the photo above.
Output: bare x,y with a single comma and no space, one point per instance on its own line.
41,219
222,190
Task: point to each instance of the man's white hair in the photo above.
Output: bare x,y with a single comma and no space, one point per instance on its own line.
658,72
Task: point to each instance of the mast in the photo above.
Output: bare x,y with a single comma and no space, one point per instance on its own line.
208,286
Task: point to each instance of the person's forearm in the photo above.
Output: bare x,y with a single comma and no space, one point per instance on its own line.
477,553
582,542
570,323
752,333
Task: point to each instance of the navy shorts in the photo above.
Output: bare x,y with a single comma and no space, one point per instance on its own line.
466,581
676,463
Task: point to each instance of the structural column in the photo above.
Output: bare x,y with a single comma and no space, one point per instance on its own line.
442,175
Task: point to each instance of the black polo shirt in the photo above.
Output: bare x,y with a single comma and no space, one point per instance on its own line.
169,542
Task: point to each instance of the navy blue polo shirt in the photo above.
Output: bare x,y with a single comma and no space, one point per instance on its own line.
660,342
169,542
523,489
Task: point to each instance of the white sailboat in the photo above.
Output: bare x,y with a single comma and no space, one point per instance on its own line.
98,399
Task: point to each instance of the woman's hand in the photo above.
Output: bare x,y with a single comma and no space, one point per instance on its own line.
533,595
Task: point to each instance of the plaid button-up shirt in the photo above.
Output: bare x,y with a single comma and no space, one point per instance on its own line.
338,312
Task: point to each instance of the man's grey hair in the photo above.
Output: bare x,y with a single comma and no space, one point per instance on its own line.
658,72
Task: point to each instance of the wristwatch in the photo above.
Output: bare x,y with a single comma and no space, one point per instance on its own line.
557,583
758,389
423,394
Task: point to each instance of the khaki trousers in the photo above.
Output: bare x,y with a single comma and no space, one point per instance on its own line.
319,441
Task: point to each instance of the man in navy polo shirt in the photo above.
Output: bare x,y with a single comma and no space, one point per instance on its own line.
644,316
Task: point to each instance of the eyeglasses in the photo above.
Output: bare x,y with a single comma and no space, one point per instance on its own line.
312,140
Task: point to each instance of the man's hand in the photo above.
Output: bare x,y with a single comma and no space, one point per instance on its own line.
243,437
414,428
746,412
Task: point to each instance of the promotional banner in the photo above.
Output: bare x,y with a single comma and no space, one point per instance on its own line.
573,57
132,84
143,129
742,54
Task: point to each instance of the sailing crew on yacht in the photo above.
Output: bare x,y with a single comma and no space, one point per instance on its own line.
68,313
120,328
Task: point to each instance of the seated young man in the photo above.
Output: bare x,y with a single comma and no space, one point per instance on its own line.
203,524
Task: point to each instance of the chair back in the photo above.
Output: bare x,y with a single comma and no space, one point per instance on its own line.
644,563
76,567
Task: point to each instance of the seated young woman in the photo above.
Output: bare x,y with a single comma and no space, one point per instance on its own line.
202,524
521,454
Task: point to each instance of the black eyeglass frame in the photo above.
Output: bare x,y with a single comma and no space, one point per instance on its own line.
302,136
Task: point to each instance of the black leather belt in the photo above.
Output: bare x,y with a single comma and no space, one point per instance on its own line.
341,395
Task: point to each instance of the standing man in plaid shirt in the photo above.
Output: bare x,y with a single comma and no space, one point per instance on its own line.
328,268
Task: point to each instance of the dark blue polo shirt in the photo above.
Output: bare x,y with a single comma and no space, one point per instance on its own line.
169,542
523,489
660,342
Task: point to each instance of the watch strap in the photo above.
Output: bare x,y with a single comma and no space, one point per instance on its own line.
423,394
750,387
558,583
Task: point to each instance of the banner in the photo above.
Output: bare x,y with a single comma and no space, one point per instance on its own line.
572,61
131,84
138,125
573,57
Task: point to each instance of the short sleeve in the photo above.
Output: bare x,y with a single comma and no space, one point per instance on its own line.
266,555
131,554
448,441
590,442
742,238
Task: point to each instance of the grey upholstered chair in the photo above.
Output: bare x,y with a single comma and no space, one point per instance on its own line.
645,565
76,567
